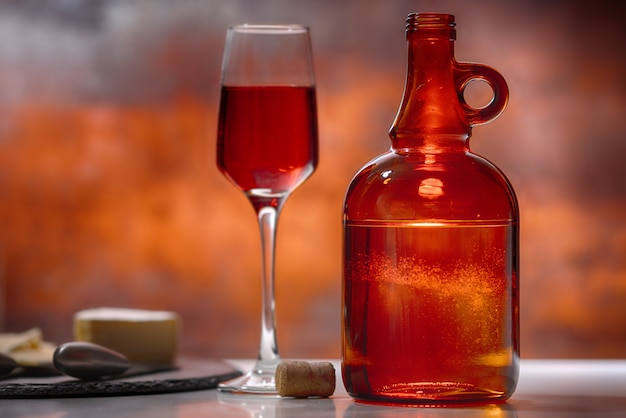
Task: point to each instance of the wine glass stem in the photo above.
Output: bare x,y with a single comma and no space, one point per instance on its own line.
268,352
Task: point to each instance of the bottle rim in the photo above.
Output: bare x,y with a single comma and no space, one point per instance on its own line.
430,20
432,23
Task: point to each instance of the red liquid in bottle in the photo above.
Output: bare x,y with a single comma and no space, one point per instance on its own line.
267,137
435,320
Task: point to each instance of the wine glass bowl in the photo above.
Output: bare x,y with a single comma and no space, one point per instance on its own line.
267,145
268,136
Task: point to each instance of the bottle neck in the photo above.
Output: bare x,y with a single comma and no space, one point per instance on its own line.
431,118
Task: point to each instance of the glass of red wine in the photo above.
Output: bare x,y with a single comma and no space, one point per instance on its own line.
266,146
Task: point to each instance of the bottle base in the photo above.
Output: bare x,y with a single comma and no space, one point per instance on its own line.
432,393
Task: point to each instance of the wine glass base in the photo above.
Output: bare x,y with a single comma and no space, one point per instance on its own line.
252,383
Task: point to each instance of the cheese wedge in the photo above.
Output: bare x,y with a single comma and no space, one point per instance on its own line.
27,348
141,335
39,356
24,340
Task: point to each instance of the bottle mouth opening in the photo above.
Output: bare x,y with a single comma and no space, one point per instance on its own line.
431,22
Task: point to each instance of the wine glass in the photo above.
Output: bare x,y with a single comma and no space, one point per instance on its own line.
266,146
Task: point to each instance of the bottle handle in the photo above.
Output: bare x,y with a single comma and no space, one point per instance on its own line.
468,72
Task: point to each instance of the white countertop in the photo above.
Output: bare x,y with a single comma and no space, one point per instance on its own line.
547,388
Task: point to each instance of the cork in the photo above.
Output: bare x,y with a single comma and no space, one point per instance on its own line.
302,379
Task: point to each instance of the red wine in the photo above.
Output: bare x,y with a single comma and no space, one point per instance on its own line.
428,311
267,137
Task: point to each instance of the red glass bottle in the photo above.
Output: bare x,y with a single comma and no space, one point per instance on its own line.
431,253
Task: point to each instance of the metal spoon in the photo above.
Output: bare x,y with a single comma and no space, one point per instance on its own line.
89,361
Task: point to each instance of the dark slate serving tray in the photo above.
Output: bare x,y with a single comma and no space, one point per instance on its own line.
188,375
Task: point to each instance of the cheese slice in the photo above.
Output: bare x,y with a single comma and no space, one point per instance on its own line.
24,340
143,336
39,356
27,348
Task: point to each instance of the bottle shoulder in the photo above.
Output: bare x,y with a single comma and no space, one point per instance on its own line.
454,186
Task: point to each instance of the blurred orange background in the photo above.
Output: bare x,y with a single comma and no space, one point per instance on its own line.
109,194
